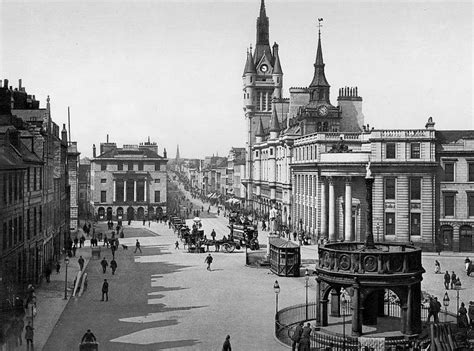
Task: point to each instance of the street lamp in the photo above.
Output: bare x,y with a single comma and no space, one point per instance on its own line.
445,304
343,302
306,278
457,287
276,288
378,229
66,261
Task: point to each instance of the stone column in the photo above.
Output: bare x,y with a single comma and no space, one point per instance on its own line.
348,211
324,313
409,317
324,220
318,302
335,304
114,190
124,190
356,320
134,191
332,209
145,190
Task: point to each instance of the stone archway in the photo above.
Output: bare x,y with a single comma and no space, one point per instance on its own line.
446,232
101,213
130,213
141,213
109,213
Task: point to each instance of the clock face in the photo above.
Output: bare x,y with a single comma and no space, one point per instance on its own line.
263,68
322,110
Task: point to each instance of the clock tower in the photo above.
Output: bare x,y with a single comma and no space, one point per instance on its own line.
262,86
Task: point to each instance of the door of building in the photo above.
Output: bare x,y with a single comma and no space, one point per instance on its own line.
447,238
465,239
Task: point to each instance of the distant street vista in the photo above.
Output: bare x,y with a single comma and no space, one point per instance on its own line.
328,226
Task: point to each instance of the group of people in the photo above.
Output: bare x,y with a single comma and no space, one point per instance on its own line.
452,281
300,338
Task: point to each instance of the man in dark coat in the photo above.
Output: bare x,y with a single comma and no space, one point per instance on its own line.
104,265
305,342
226,346
105,290
113,266
453,280
297,336
81,263
447,278
88,337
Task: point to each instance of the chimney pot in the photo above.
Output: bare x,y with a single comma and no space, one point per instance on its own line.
19,84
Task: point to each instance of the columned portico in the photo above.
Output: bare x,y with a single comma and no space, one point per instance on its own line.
115,191
124,190
332,209
134,191
348,211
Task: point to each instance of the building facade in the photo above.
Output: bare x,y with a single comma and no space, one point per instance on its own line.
34,190
85,207
128,183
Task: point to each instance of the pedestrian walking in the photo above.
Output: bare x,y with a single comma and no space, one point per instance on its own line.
137,247
47,272
58,267
29,333
81,263
113,266
18,325
227,346
264,226
447,278
467,263
437,267
104,265
76,241
105,290
176,245
81,241
462,317
74,248
453,279
208,260
297,336
304,341
213,234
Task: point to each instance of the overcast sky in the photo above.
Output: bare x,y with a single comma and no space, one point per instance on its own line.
172,70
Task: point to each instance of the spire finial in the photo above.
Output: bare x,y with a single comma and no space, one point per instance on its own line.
319,26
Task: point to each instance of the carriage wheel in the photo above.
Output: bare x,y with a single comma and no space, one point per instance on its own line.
231,248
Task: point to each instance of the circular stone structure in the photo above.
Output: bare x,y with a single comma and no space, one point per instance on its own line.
365,271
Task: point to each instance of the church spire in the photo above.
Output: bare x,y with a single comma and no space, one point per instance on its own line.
319,87
177,153
262,46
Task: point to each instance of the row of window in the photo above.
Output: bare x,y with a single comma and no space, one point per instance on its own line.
13,229
450,171
13,184
415,223
130,166
414,188
104,180
449,202
119,196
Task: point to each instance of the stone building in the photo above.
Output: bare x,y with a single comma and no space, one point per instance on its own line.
455,190
34,189
73,175
128,183
85,208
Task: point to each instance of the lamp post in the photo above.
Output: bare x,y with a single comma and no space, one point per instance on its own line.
457,287
66,261
343,302
276,288
306,278
446,304
378,229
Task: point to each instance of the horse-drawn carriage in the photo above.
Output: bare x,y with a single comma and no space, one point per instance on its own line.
245,235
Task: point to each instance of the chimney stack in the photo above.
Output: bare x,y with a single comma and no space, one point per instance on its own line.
5,83
93,151
107,138
19,84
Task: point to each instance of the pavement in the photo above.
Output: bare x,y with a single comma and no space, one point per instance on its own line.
164,298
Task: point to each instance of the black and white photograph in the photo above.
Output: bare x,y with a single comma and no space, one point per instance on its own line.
254,175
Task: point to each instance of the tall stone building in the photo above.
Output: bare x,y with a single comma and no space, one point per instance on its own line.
34,191
128,183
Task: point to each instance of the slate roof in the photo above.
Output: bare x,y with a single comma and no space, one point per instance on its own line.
146,153
451,136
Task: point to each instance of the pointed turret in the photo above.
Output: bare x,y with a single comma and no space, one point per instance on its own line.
259,134
276,65
249,65
262,44
274,124
319,87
